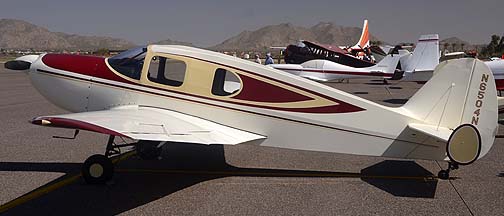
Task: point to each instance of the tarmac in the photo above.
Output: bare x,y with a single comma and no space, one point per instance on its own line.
41,175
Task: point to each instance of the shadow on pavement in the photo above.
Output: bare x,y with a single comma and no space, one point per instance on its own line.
129,190
416,188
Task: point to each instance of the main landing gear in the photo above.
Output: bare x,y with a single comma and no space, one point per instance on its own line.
99,169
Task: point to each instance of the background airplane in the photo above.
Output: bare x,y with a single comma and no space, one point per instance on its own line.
325,70
416,65
307,50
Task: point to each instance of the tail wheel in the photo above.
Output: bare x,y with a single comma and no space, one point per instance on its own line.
148,150
97,169
444,174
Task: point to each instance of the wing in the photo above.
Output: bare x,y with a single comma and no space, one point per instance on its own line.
147,123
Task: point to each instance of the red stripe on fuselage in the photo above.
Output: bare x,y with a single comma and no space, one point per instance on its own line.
86,65
259,91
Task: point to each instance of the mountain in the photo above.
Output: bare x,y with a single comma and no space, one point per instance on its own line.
174,42
18,34
286,33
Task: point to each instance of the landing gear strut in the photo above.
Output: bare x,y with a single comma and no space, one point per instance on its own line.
148,150
445,174
98,168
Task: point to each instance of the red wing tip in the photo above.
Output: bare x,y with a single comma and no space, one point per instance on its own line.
74,124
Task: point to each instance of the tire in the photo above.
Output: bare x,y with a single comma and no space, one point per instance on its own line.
97,169
443,174
148,150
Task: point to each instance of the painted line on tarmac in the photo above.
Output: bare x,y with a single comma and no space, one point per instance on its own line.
265,174
38,193
52,187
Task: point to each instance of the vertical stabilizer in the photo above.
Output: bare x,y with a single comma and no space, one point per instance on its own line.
461,91
425,56
364,38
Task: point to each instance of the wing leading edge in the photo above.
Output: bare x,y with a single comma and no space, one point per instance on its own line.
148,123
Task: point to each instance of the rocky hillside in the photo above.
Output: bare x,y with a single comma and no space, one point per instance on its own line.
286,33
18,34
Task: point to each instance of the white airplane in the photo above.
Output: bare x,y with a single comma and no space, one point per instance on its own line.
420,64
416,65
163,94
325,70
497,68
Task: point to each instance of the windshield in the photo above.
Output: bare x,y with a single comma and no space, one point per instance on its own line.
129,62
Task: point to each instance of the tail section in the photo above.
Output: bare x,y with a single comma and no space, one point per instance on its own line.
364,38
461,92
389,63
425,56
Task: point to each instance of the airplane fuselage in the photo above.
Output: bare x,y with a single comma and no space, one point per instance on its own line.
292,112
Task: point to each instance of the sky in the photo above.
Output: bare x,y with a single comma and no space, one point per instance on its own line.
207,23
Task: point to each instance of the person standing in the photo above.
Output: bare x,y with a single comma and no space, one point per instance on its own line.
269,59
257,59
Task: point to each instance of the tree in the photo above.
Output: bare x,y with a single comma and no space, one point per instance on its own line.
102,52
454,46
445,46
495,47
462,46
376,43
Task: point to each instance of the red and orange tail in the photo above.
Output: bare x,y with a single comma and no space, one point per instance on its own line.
364,39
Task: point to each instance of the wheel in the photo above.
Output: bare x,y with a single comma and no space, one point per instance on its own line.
97,169
148,150
443,174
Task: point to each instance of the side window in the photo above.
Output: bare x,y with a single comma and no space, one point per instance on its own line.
166,71
225,83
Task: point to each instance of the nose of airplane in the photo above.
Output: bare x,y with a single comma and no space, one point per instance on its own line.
17,65
21,63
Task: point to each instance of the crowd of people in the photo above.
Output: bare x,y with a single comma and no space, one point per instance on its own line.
257,57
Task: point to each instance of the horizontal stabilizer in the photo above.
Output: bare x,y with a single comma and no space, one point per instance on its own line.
441,133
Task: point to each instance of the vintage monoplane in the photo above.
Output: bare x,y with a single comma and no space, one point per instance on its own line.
159,95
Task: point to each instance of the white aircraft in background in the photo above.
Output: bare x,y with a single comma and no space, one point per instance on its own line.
416,65
325,70
160,95
420,64
497,68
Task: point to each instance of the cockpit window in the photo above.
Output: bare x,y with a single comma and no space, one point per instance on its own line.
129,62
